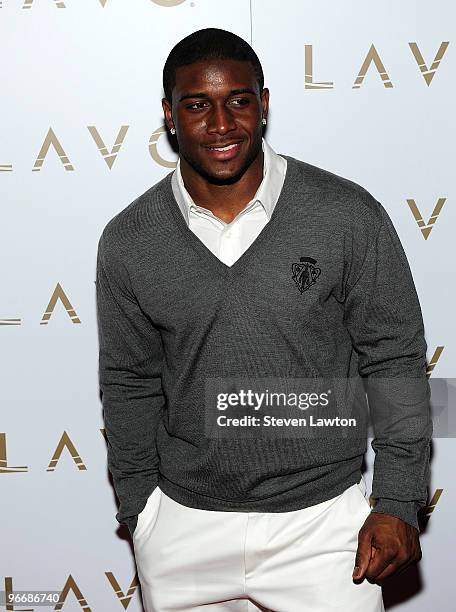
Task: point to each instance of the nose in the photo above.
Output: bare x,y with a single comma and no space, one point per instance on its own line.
220,121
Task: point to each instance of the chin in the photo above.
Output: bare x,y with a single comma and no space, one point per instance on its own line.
226,172
219,173
224,177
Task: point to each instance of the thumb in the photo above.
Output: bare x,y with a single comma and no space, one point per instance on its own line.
363,554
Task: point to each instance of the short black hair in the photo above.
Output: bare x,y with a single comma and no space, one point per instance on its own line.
206,44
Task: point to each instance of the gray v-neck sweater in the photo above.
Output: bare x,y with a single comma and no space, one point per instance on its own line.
322,297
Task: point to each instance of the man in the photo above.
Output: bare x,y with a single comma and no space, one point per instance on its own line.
243,265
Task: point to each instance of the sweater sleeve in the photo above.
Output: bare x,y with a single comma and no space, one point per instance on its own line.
384,319
130,356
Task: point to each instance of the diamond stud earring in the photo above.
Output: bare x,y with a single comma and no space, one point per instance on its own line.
173,131
263,121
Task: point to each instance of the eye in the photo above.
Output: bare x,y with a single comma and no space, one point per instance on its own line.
242,101
195,105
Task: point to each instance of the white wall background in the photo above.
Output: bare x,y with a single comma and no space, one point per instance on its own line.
73,64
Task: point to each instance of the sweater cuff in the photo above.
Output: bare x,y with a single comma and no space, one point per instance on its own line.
131,523
407,511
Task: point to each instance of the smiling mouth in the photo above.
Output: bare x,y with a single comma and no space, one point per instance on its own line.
225,152
225,148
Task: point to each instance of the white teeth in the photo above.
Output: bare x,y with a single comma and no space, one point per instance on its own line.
223,148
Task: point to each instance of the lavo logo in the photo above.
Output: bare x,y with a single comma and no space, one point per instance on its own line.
72,586
426,227
58,294
65,443
109,155
433,361
373,57
60,4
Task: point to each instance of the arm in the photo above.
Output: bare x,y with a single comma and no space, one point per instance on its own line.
130,357
383,317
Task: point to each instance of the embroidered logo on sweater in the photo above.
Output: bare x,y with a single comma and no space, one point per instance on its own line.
305,273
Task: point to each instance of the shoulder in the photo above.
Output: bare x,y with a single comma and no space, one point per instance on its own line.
334,196
137,217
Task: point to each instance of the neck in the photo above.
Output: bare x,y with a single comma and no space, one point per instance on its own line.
224,201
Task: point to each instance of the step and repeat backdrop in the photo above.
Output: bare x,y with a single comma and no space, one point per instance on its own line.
363,89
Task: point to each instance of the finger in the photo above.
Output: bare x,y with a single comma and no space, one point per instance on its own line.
390,570
363,554
394,569
405,566
380,561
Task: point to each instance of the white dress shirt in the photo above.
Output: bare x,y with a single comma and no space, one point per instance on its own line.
229,240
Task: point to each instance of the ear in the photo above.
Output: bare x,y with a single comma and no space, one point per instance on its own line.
265,101
167,112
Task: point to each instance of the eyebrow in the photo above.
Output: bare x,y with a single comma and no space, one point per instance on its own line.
233,92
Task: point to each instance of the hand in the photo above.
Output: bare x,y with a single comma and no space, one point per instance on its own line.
386,546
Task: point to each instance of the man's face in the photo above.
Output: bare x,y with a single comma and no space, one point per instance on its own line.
217,103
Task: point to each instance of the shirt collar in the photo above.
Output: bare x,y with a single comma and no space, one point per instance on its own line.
267,194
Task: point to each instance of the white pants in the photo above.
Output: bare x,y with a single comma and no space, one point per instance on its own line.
299,561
